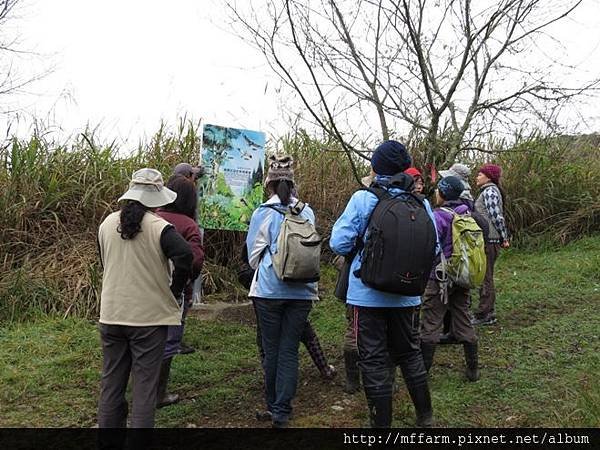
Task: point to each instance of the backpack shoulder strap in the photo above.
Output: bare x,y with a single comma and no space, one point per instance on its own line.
297,209
381,194
420,200
454,213
378,191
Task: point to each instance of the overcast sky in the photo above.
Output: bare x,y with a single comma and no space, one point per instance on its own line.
125,65
128,64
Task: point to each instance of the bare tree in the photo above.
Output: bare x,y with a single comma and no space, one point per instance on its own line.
12,80
452,71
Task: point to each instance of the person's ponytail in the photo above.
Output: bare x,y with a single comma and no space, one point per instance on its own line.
131,217
284,190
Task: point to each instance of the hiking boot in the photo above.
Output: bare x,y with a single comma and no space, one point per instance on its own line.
352,385
185,349
489,319
264,416
279,424
471,360
162,397
167,400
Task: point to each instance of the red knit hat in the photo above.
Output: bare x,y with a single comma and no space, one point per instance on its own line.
413,172
492,171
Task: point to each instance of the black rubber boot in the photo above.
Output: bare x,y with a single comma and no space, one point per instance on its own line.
419,393
415,376
378,390
163,398
352,385
427,350
472,361
380,411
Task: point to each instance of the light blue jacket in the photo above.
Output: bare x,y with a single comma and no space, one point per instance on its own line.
262,243
350,226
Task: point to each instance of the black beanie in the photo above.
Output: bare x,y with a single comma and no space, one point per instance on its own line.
390,158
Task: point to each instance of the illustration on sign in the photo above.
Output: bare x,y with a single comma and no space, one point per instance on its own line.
232,190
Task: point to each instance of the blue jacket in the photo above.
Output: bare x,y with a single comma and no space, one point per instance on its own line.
351,225
262,243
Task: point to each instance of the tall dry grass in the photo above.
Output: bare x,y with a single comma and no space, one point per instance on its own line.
553,187
54,195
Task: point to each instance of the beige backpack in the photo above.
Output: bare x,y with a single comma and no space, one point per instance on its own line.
298,255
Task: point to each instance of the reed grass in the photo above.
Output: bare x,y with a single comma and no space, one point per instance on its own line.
53,196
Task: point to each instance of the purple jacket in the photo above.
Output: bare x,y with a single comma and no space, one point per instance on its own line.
443,223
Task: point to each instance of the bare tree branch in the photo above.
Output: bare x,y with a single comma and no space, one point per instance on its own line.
453,73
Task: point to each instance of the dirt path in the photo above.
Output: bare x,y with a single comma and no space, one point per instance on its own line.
318,403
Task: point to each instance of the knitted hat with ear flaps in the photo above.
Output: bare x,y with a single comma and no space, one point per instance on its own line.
280,168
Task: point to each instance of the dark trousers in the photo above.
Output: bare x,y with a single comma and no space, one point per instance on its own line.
174,338
388,337
135,350
281,323
433,311
175,332
487,293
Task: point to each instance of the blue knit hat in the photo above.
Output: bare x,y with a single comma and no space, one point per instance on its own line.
390,158
451,187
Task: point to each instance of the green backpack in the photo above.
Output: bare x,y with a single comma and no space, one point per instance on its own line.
467,264
298,256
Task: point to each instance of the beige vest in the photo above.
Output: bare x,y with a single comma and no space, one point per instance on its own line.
137,276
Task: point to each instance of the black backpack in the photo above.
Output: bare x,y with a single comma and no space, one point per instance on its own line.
245,273
400,247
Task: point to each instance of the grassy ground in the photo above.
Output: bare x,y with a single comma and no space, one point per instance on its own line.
539,364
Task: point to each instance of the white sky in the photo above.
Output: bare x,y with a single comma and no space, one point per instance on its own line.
128,64
125,65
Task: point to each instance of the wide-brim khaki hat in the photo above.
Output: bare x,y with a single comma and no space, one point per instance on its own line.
147,187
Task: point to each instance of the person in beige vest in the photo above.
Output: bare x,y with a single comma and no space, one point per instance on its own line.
146,267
